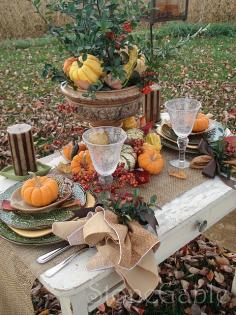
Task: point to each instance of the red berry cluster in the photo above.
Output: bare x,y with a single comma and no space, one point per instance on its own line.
230,150
127,27
86,178
66,108
137,145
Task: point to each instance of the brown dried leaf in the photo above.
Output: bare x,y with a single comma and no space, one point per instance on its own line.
178,274
226,268
45,312
111,302
225,298
210,275
219,277
222,260
201,283
178,174
185,284
194,271
200,162
102,308
233,302
188,311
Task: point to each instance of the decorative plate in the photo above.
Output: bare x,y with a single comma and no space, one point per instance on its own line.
32,233
8,172
173,146
7,234
65,192
167,131
174,143
40,220
35,222
18,203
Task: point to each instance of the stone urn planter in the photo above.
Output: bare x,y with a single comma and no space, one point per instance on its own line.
109,108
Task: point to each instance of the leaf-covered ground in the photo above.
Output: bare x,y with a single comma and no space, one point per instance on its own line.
204,69
196,280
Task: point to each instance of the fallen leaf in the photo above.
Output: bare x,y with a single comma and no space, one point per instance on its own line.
185,284
45,312
219,277
201,283
194,270
102,308
178,174
225,298
111,302
178,274
210,275
232,302
222,260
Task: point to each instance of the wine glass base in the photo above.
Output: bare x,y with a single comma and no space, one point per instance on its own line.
179,164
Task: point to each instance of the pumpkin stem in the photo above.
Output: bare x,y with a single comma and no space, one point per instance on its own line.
35,177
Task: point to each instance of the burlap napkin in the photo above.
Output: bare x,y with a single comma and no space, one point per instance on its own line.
129,249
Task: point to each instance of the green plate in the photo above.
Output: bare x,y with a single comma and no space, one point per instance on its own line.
11,236
40,220
169,132
8,172
172,146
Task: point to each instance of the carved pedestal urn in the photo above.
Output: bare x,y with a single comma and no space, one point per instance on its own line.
108,108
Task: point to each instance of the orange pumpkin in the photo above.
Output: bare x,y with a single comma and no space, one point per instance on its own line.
151,161
201,123
67,64
73,148
81,162
40,191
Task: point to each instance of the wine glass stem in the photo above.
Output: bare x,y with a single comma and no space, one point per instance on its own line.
182,144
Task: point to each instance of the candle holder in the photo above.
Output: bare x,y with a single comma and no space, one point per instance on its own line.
151,105
22,149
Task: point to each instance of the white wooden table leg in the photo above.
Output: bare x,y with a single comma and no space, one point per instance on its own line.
74,305
234,285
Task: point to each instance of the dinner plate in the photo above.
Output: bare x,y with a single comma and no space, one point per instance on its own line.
173,146
167,131
40,220
159,131
31,233
9,235
18,203
8,172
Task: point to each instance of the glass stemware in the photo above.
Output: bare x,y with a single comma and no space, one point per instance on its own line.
183,112
105,157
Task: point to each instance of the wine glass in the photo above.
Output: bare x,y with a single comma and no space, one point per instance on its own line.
104,145
183,112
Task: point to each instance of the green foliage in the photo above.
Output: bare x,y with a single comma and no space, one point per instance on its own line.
131,207
97,28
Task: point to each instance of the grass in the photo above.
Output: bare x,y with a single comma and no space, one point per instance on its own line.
204,69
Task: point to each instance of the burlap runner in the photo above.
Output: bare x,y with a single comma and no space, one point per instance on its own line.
18,263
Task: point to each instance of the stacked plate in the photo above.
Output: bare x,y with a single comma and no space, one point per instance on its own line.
22,224
169,138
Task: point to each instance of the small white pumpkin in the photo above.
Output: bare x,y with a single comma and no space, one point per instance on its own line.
135,133
128,157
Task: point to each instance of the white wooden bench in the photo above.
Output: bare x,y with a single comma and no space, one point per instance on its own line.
181,220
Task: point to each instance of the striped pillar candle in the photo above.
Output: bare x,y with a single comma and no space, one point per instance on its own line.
151,105
22,149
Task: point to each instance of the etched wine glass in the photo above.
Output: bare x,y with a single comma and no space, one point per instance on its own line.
182,112
104,145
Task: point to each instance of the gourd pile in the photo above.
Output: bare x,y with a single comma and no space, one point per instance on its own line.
84,72
139,155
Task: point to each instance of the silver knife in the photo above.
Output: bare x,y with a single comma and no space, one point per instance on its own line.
50,255
52,271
